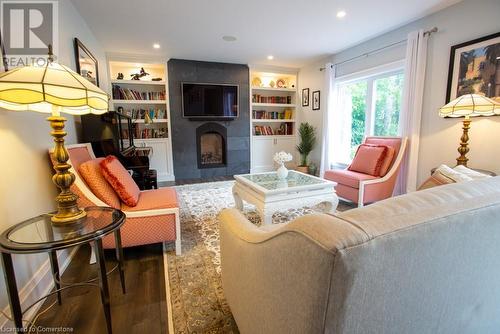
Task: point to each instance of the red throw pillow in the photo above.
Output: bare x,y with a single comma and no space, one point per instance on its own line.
369,159
120,180
389,157
91,173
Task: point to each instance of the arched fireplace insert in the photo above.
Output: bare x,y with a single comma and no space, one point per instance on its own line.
211,145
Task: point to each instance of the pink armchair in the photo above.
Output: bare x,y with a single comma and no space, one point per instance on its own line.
154,219
364,188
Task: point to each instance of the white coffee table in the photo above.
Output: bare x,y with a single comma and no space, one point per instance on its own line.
270,195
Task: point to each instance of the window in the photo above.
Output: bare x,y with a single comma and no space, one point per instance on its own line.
370,104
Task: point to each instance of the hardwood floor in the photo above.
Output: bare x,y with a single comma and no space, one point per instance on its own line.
142,309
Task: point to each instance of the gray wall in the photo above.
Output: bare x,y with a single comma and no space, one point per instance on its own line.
184,130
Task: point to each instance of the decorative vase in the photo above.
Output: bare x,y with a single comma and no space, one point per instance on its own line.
282,172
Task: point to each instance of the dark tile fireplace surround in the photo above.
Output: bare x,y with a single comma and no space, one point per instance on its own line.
204,149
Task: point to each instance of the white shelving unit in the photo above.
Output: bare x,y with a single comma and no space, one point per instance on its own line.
156,135
265,145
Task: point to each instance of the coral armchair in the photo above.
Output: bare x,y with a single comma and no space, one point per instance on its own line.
364,188
154,219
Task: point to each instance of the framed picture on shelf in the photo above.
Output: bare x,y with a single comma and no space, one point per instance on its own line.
316,100
305,97
475,68
86,63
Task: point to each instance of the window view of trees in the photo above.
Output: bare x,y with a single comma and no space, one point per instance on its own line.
358,98
388,92
385,92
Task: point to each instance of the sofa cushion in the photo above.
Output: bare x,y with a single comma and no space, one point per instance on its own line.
347,177
90,171
120,180
387,163
369,159
163,198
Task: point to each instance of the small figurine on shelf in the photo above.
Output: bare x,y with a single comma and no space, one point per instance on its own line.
120,76
156,79
138,76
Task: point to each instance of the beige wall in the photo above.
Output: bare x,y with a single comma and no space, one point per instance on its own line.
25,178
459,23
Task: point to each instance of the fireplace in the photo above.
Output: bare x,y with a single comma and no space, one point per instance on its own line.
211,145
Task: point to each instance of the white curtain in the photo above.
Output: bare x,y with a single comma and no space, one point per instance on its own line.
326,149
411,108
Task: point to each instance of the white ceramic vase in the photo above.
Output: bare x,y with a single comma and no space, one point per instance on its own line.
282,172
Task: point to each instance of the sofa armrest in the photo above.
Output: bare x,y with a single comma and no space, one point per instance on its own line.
278,281
328,231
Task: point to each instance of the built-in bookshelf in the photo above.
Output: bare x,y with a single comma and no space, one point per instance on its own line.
273,121
146,102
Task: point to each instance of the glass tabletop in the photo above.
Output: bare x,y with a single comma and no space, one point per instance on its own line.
40,234
270,181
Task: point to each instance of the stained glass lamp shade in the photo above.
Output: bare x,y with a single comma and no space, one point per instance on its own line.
468,105
54,89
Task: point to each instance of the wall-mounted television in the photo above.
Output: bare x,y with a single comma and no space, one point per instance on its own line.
209,101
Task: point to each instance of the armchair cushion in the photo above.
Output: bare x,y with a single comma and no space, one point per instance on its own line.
163,198
91,173
120,180
369,159
347,177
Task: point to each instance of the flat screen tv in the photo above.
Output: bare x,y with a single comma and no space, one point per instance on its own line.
209,101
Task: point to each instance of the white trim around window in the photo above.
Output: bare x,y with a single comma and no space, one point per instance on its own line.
374,72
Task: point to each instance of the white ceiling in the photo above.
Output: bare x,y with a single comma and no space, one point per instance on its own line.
295,32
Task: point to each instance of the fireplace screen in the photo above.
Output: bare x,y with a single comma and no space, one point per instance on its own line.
212,149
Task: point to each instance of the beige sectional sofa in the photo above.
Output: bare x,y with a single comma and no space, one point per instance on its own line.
426,262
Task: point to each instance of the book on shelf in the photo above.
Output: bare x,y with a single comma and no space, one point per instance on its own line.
146,133
154,113
120,93
266,130
257,98
263,114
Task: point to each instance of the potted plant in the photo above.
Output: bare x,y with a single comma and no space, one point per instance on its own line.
307,142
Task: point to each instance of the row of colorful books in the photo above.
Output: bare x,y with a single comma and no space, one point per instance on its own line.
284,129
146,133
154,113
262,114
256,98
120,93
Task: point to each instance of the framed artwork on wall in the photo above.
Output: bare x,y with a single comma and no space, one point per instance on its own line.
86,63
316,100
305,97
475,68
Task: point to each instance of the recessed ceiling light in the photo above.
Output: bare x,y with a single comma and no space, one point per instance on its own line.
341,14
229,38
156,45
270,57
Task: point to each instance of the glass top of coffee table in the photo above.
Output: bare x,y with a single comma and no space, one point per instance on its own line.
270,181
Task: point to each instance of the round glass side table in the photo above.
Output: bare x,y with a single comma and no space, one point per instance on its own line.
38,235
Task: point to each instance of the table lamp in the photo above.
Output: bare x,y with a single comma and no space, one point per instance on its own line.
468,105
54,89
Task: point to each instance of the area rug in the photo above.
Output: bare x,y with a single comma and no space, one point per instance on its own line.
195,299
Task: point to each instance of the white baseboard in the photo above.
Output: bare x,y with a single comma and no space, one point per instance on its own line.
39,285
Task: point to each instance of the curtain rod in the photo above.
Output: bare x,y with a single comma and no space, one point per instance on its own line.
428,32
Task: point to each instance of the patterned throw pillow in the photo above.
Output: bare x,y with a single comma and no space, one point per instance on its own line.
369,159
90,171
120,180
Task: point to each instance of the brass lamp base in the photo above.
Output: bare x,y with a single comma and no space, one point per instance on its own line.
463,149
67,207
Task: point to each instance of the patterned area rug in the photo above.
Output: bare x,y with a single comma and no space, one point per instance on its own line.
193,282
